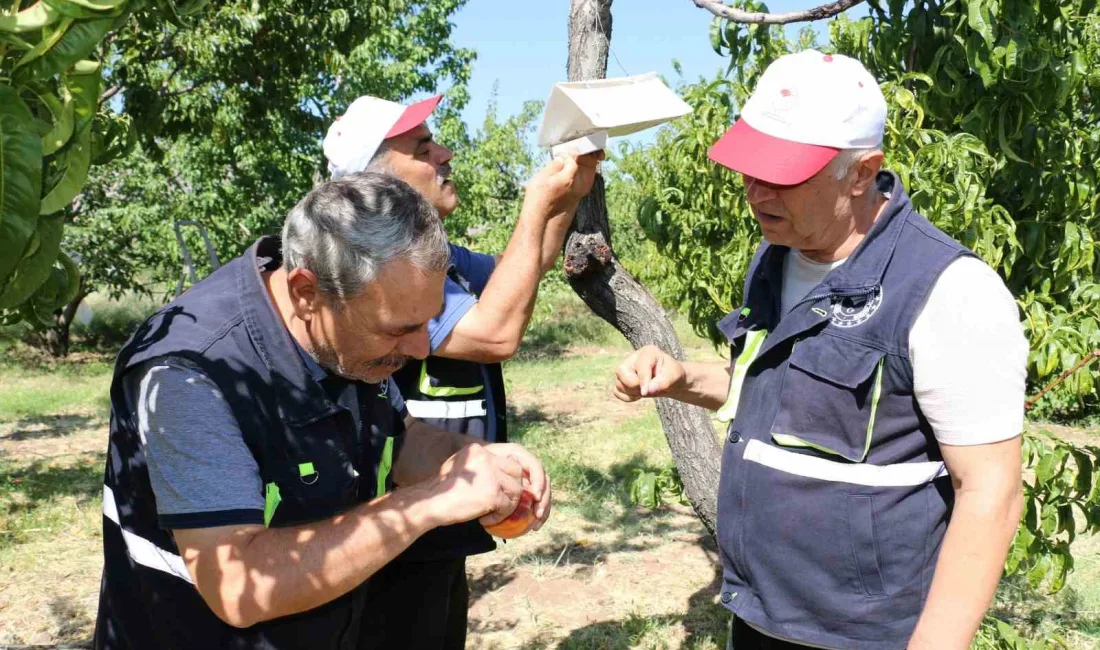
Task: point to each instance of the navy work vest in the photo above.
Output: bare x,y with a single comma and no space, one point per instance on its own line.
453,395
314,460
834,498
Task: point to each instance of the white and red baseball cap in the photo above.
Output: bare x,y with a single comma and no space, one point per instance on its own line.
356,135
806,108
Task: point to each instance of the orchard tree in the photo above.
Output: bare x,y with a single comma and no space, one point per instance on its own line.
53,127
230,110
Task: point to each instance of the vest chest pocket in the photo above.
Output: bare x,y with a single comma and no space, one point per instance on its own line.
318,479
830,394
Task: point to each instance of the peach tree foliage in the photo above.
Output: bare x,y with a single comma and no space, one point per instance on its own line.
52,130
226,106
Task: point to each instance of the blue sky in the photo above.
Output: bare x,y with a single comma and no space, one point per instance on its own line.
522,46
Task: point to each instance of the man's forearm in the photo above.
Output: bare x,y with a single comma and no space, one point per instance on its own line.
705,384
281,571
425,450
968,570
556,230
508,299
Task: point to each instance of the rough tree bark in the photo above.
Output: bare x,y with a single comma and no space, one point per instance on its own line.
614,295
57,337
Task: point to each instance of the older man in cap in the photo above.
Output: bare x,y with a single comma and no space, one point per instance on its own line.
488,302
870,482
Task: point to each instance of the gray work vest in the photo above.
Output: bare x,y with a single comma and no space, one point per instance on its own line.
833,498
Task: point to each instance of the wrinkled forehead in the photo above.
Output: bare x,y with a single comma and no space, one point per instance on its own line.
400,300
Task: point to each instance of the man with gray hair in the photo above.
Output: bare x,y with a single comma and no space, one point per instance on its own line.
870,482
262,465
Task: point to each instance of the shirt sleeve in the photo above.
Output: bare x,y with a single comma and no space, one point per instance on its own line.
456,302
202,472
969,357
475,267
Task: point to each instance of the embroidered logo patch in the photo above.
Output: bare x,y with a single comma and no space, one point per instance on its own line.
850,312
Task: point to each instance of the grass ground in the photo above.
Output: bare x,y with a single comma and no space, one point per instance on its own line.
601,575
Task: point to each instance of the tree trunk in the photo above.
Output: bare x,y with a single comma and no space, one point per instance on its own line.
614,295
57,337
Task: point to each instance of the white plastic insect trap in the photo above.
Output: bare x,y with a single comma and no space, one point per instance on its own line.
581,115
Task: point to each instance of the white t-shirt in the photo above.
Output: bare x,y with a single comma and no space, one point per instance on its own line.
967,349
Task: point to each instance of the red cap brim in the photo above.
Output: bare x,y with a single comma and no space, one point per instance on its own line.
414,116
772,160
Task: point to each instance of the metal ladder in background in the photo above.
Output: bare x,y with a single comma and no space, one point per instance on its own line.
188,265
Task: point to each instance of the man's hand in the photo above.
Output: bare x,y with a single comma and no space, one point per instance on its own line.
536,478
477,483
649,372
559,186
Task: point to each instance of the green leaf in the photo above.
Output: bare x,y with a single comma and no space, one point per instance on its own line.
63,123
32,18
1062,564
77,160
716,35
644,490
1002,138
1045,471
20,180
112,136
1083,483
34,269
1049,516
82,82
86,9
76,41
976,16
1039,571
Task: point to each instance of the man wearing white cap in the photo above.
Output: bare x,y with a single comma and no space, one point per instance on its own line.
488,303
870,481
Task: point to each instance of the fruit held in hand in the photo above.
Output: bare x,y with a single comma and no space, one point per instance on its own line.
516,523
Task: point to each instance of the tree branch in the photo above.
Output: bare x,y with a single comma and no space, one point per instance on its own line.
735,15
111,92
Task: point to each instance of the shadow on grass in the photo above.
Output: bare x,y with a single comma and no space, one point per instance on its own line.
551,337
38,427
72,621
25,488
705,623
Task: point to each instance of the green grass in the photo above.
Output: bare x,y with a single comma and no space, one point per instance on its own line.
40,499
43,390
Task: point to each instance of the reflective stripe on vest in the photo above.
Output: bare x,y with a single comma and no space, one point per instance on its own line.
142,550
384,466
754,339
440,410
897,475
428,390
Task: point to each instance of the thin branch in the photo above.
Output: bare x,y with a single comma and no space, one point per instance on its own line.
193,87
748,17
111,92
1089,358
